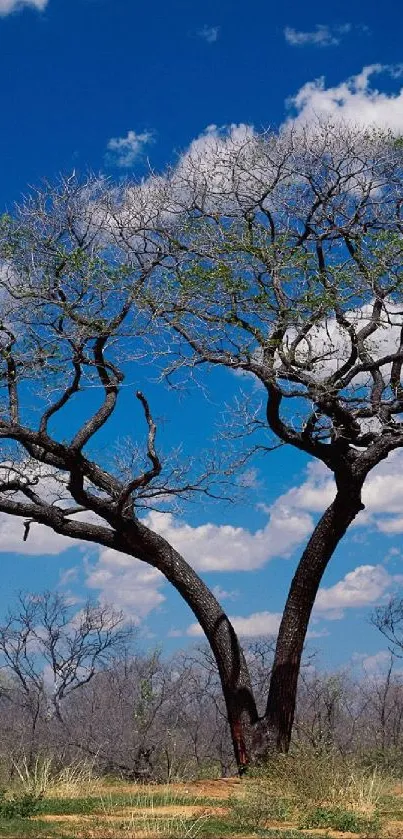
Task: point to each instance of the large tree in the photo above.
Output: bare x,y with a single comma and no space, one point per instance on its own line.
289,267
277,255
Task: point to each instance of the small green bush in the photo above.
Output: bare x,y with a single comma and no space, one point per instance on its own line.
259,806
21,806
343,820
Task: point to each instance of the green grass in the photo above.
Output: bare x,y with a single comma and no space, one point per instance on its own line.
260,806
343,820
391,806
26,829
105,804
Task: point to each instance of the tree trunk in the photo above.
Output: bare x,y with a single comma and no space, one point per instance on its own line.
232,667
273,732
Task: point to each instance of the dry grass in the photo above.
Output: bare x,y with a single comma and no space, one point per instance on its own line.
309,777
303,794
43,779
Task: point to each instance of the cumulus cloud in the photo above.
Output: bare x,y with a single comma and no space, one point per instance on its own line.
8,6
125,151
361,587
135,587
322,36
207,165
209,34
354,100
211,547
258,624
128,583
382,494
332,345
41,540
373,665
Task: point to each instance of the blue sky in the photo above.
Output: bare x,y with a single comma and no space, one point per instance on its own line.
112,85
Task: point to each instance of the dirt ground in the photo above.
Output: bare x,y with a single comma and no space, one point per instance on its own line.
222,788
162,811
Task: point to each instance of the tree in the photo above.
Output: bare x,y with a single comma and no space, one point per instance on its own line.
277,255
289,268
49,650
389,620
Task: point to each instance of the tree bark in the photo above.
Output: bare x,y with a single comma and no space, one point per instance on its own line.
273,732
232,667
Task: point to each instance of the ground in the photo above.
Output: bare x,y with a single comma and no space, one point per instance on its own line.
211,808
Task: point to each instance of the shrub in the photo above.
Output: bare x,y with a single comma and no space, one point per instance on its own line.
20,806
339,819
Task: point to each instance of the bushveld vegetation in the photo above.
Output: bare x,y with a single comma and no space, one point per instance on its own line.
120,756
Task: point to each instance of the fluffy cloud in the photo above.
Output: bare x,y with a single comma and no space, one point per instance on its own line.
374,665
41,539
353,100
361,587
211,547
382,494
128,583
8,6
258,624
208,163
124,151
321,36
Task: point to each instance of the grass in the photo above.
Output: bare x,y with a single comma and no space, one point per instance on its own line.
341,820
43,777
109,802
301,792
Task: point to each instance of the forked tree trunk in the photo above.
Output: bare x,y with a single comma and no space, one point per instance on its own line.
253,738
274,730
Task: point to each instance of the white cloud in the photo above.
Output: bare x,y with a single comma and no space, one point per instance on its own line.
373,665
207,166
209,34
211,547
361,587
41,539
124,151
210,157
8,6
68,576
353,100
382,494
322,36
129,584
250,626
